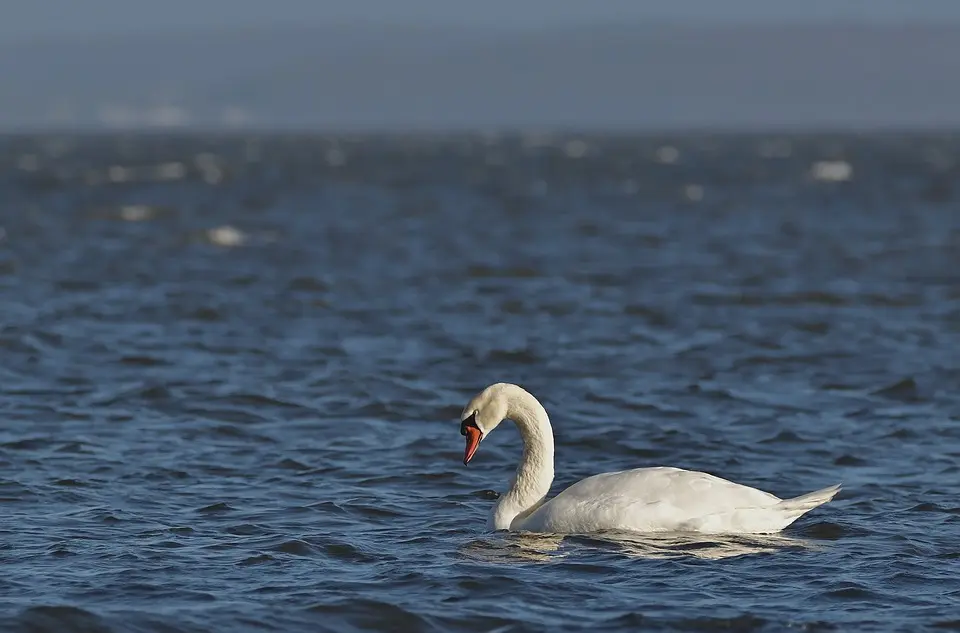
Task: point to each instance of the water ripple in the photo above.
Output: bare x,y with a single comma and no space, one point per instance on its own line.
230,397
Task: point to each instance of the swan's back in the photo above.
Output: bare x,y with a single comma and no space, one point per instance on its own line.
665,499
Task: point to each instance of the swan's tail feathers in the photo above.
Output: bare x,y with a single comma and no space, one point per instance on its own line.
799,506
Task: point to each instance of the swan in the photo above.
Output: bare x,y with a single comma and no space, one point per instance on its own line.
657,499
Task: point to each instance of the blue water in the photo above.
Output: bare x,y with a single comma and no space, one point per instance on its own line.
231,373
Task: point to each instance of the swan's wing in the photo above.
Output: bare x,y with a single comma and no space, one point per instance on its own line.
651,499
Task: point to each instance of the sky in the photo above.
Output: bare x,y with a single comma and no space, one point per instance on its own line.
51,19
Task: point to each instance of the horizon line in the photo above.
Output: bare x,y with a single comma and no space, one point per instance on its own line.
68,37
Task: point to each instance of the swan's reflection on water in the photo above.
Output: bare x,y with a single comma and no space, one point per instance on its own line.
514,547
504,547
705,546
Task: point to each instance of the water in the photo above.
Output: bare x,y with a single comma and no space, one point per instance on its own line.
232,372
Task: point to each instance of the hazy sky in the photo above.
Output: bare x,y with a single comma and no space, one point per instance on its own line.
27,19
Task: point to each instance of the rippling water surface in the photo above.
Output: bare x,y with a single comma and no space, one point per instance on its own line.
231,372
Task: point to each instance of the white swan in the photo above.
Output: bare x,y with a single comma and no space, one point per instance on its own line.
640,500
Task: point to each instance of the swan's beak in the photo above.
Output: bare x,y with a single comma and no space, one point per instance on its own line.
474,436
470,430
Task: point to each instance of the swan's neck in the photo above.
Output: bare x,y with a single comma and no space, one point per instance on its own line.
535,473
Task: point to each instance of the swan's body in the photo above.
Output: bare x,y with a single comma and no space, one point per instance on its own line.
656,499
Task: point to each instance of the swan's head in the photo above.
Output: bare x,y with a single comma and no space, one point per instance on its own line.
481,415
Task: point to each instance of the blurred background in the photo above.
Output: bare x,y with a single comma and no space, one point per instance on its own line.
255,258
433,65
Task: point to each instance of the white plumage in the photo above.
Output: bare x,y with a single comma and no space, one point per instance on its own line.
659,499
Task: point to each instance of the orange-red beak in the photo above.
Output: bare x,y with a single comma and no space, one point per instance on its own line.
473,436
470,430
